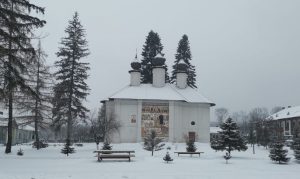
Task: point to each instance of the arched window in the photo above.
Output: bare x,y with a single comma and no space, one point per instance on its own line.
161,119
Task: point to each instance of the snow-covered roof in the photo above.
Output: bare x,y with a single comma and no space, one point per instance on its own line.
26,128
3,123
286,113
214,130
20,123
168,92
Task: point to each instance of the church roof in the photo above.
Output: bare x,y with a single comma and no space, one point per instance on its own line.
168,92
286,113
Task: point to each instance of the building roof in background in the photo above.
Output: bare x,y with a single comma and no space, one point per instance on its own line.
168,92
286,113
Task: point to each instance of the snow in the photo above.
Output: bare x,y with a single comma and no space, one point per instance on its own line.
26,127
49,163
168,92
286,113
20,123
215,130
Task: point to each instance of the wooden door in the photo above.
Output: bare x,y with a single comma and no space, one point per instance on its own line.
192,136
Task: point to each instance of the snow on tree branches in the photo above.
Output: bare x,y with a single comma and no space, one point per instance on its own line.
229,138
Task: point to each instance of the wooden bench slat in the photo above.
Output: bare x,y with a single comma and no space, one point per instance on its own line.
188,152
114,154
114,151
191,153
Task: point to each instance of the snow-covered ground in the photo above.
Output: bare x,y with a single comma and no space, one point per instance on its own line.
49,163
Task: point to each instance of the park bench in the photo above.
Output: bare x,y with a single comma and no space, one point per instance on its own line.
113,154
190,153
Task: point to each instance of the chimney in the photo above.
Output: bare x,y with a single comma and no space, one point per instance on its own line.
158,71
181,75
135,73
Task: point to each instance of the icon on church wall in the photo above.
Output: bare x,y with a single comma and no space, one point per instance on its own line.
155,116
133,119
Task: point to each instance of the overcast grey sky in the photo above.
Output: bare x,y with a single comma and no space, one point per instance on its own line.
246,52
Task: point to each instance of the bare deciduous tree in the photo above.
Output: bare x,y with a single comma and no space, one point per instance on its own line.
242,120
258,117
104,126
221,114
275,109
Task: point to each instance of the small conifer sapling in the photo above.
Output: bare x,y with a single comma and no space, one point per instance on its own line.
277,153
67,148
167,158
296,148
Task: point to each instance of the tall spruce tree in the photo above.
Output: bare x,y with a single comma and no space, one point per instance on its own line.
184,53
230,138
151,48
71,88
16,51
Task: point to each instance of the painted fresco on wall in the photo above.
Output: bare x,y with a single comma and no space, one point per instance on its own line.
155,116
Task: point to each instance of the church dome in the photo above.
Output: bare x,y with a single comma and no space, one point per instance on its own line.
158,60
136,65
181,66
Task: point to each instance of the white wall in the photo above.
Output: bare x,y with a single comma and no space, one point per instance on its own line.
124,109
158,77
135,78
184,114
181,114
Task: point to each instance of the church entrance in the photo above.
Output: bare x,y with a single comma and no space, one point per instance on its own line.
192,136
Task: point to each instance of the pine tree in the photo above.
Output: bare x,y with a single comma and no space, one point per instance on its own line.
184,54
230,138
16,51
151,48
296,148
67,148
191,146
71,88
167,158
106,146
152,142
277,153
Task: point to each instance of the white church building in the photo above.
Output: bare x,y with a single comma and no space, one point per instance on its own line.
174,111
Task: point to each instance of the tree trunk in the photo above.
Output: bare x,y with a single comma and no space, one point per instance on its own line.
69,123
36,132
10,120
10,94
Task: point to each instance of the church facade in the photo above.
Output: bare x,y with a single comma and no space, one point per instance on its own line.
175,111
